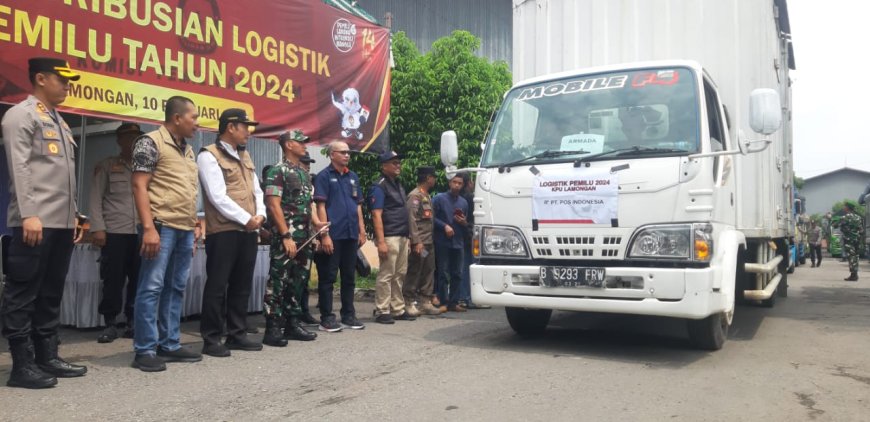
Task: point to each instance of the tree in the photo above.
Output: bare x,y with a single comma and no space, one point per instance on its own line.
837,208
798,182
448,88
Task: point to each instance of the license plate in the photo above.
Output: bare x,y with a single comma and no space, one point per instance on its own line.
572,277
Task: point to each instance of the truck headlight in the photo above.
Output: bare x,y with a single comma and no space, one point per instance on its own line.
678,241
502,241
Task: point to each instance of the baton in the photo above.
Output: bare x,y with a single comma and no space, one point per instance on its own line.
322,229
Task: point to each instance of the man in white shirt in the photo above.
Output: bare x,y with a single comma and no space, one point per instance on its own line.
234,212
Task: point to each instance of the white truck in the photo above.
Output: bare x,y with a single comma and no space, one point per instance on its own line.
641,163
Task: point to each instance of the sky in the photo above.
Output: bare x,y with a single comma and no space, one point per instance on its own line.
831,110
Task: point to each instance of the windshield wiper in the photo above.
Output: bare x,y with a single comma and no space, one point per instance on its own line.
545,154
635,150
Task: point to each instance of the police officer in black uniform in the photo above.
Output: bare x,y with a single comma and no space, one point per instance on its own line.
42,215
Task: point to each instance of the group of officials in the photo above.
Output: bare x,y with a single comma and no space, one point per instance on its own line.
143,203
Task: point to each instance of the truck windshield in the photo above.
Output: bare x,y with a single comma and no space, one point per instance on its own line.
590,115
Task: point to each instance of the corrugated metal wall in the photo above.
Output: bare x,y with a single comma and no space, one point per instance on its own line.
427,20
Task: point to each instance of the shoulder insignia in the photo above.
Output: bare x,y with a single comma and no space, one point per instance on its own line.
41,107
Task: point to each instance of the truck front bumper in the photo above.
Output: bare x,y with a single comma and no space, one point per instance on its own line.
670,292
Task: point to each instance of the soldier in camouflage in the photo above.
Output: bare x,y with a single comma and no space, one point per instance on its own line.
851,227
288,192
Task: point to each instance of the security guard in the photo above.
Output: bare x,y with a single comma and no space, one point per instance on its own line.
390,220
40,153
421,261
288,194
113,228
851,226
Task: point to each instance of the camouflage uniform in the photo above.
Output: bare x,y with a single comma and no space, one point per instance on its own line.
288,277
851,226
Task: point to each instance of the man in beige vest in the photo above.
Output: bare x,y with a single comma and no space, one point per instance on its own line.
164,188
234,213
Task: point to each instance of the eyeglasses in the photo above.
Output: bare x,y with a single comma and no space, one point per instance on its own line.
342,152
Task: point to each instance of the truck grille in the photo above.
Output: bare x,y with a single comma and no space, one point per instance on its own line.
585,246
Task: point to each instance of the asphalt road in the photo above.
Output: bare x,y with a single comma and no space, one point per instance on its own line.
805,359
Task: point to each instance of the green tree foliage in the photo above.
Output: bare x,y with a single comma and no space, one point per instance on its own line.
837,209
798,182
448,88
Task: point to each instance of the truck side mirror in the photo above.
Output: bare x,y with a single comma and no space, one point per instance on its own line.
765,113
449,149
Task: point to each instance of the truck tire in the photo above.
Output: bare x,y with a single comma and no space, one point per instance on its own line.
528,323
708,333
768,303
785,268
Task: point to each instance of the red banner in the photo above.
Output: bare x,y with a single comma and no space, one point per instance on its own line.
290,64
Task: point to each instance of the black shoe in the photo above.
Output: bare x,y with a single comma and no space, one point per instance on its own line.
49,362
330,326
404,316
252,330
25,373
352,323
273,336
243,343
384,319
852,277
293,330
149,363
308,319
216,350
108,335
180,355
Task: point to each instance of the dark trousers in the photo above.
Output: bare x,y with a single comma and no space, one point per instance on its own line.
448,273
119,263
343,259
303,301
816,254
34,284
229,267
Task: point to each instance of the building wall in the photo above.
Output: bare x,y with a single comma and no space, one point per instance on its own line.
424,21
824,191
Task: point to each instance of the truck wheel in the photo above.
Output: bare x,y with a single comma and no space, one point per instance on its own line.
768,303
782,289
785,268
528,323
708,333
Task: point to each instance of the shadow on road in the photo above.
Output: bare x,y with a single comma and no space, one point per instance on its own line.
651,341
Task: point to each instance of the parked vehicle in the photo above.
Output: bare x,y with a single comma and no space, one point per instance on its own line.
641,164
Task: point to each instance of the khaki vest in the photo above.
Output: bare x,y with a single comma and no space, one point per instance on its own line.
174,183
239,179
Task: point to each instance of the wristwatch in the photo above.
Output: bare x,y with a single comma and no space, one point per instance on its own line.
287,235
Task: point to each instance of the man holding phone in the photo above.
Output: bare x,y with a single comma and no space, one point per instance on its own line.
450,211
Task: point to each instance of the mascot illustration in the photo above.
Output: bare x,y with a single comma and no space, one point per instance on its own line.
353,115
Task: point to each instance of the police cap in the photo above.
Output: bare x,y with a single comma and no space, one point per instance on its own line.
59,67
